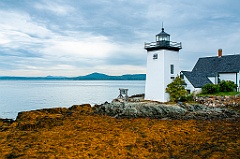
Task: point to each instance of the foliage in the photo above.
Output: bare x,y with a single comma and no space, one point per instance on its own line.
187,98
85,135
227,86
176,89
210,88
223,86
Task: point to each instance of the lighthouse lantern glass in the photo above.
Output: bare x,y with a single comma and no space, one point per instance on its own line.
162,38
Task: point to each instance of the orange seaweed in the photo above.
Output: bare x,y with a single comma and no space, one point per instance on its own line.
78,133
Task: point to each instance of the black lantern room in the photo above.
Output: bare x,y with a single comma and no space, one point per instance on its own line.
162,36
163,42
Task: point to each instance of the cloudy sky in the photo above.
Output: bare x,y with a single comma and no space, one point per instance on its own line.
78,37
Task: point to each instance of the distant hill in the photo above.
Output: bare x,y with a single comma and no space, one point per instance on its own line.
92,76
100,76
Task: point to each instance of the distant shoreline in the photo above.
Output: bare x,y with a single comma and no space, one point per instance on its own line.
93,76
43,79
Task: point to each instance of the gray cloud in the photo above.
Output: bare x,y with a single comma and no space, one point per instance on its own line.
78,37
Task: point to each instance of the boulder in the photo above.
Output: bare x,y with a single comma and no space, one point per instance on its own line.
5,123
139,109
163,111
48,118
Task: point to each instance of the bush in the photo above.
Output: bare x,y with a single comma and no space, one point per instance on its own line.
210,89
223,86
176,89
187,98
227,86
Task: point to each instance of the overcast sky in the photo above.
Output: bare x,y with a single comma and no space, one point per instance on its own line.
78,37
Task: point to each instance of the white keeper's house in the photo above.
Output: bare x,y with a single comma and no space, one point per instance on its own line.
212,70
163,67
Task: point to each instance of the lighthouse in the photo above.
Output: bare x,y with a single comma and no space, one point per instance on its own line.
162,66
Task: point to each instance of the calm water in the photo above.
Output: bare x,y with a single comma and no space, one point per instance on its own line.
17,95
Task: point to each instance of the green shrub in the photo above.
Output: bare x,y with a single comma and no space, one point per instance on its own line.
187,98
223,86
210,89
227,86
176,89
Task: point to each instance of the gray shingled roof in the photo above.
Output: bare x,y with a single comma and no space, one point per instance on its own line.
229,63
210,67
197,79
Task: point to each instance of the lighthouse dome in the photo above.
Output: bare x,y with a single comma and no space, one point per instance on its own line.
163,36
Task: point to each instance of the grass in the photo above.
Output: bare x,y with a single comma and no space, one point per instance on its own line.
220,94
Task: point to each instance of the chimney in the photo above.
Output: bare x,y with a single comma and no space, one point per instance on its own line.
219,52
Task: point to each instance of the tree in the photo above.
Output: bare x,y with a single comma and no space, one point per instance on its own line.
176,89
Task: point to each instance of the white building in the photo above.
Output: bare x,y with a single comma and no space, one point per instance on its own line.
162,66
212,70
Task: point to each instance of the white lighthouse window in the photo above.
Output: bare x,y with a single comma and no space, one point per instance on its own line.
155,56
172,69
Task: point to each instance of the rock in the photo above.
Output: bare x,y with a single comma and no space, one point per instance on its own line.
80,109
44,118
219,101
163,111
139,109
5,123
48,118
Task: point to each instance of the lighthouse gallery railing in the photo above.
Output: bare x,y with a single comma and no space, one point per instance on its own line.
163,44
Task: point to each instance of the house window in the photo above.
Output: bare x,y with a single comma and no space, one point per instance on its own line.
172,78
172,69
155,56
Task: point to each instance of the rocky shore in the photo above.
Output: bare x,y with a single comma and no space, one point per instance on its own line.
200,110
232,102
164,111
119,129
203,108
46,118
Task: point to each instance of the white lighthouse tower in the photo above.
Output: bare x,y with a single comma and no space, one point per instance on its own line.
162,66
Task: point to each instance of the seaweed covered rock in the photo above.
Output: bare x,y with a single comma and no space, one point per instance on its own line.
81,109
48,118
5,123
44,118
77,132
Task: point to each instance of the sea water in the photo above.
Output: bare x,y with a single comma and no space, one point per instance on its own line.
25,95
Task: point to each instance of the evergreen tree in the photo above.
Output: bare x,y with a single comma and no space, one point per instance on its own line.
176,89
